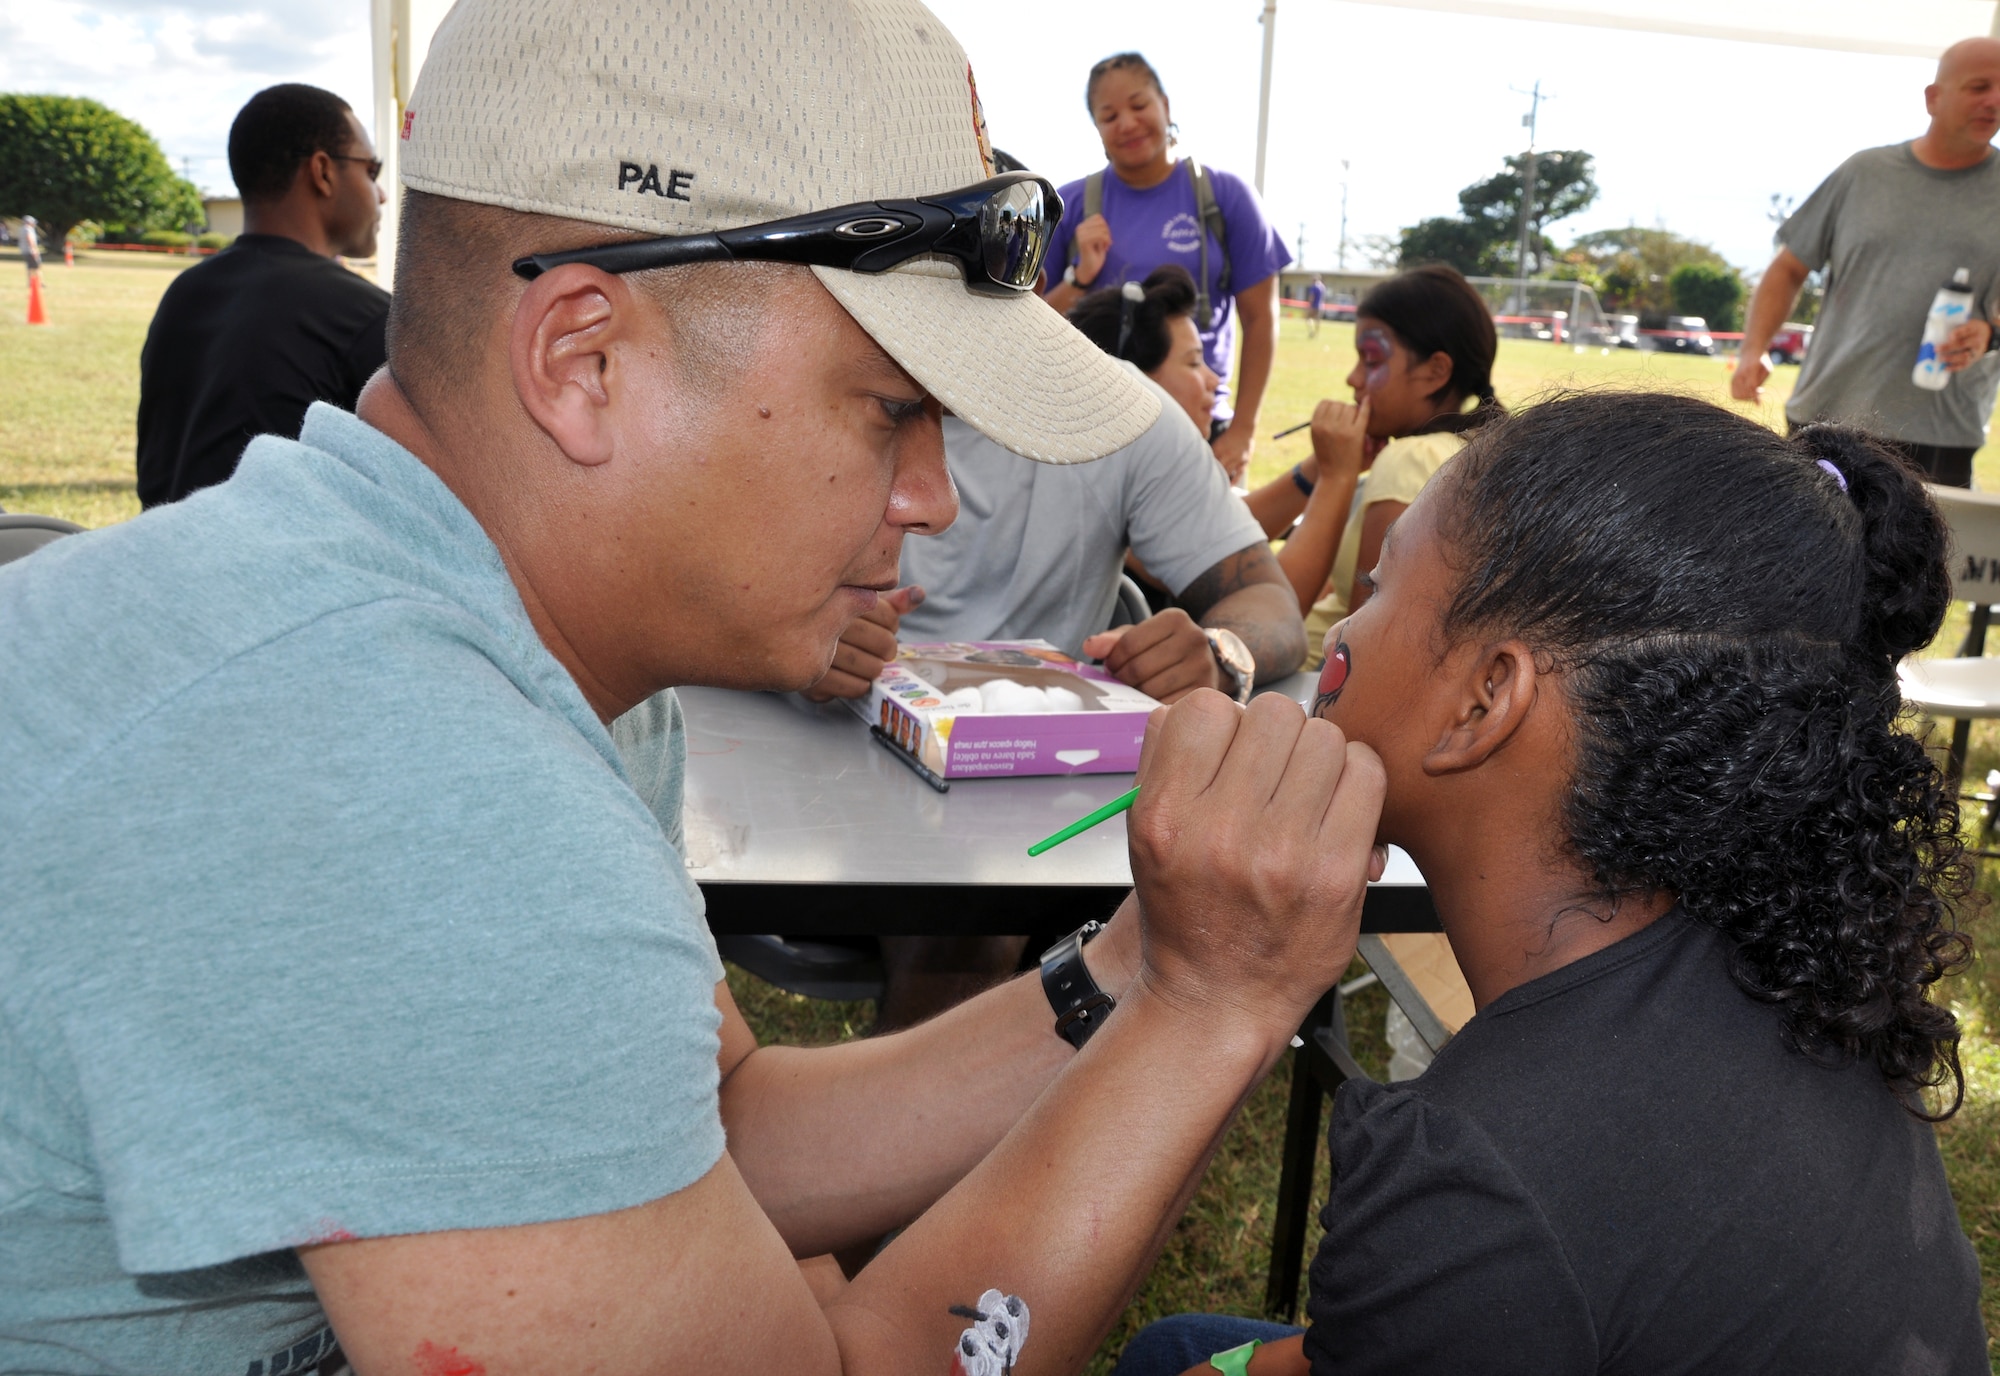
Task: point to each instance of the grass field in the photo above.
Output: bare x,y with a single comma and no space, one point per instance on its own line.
68,396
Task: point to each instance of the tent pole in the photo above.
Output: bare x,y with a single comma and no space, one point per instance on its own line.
1270,22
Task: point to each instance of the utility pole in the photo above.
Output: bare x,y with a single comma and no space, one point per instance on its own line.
1302,243
1343,215
1535,99
1270,23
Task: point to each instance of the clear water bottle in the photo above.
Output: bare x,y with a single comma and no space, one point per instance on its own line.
1950,308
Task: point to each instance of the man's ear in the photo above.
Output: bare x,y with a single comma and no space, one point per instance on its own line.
320,171
1496,693
564,364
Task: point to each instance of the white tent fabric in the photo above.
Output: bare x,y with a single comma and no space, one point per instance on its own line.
1901,28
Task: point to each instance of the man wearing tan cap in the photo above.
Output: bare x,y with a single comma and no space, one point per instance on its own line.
355,1010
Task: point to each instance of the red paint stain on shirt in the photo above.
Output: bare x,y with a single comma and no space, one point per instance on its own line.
433,1360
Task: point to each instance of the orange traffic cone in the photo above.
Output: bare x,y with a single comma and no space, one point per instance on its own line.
69,254
36,315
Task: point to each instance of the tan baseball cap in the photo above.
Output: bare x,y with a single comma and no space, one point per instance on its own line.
686,116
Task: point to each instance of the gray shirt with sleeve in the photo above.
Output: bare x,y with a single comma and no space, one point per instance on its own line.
1889,232
1037,548
331,911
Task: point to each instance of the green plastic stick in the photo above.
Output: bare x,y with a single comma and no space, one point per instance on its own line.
1083,824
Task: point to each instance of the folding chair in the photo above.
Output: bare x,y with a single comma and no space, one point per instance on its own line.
21,533
1417,971
1966,688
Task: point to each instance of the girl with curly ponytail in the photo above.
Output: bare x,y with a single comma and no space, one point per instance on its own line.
1630,668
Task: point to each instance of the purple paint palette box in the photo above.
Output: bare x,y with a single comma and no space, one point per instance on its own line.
994,708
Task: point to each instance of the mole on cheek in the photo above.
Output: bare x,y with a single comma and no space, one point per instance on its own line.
764,411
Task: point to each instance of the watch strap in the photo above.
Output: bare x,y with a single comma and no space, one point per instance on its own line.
1080,1006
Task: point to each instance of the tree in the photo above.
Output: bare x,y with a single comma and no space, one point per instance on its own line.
1713,293
1484,237
1636,265
1445,239
1565,183
64,159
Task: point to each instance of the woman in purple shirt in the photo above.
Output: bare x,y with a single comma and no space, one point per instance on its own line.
1151,215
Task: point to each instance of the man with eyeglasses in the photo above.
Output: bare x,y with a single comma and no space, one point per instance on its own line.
243,343
357,1007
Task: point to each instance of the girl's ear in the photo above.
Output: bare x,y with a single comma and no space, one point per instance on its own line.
1433,373
1495,695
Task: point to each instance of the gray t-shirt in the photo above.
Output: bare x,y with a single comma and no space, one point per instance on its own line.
1037,548
1889,232
331,911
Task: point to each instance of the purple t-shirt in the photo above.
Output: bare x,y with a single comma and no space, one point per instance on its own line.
1316,295
1159,225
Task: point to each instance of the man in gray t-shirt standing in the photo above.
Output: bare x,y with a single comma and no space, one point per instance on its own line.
1890,226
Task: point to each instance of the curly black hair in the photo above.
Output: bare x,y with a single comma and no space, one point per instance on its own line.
1724,608
1169,292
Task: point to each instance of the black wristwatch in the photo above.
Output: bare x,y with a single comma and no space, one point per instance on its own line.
1081,1007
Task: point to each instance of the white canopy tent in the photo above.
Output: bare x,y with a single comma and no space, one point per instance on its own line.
1901,28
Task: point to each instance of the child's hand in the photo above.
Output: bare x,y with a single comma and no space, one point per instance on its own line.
865,646
1340,436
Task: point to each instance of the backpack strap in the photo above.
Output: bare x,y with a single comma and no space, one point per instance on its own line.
1093,204
1210,214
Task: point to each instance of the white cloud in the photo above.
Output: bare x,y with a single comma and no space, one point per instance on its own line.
184,70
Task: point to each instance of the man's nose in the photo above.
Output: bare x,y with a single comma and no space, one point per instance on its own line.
924,500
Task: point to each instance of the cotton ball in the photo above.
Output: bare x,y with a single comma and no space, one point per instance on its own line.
1063,700
965,699
1004,697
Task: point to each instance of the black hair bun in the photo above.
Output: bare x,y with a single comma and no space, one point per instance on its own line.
1903,539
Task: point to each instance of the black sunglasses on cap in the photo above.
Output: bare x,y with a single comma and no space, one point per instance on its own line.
998,231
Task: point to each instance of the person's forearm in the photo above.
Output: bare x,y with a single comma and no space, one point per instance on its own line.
1276,505
1071,1209
840,1144
1263,615
1777,292
1063,296
1260,347
1307,557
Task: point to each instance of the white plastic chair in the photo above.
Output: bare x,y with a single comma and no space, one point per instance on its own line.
1966,688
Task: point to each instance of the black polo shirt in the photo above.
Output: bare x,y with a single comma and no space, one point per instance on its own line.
240,346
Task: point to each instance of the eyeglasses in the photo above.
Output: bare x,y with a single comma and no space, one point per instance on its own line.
998,231
374,164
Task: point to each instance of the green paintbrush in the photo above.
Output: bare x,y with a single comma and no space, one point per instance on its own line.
1083,824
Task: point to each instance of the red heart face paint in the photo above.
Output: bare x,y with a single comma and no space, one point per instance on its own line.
1333,677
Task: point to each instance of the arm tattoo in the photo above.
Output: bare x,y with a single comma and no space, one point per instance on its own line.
1232,573
1249,594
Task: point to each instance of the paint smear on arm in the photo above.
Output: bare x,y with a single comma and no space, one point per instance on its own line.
434,1359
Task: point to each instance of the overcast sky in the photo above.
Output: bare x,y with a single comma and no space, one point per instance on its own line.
1695,134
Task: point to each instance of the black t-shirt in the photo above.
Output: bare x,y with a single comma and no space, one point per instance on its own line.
240,346
1621,1167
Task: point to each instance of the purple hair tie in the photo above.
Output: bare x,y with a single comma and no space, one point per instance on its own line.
1838,476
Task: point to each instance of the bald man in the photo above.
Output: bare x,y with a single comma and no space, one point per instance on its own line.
1889,227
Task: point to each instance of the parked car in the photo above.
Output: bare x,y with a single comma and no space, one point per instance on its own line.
1789,344
1684,334
1624,330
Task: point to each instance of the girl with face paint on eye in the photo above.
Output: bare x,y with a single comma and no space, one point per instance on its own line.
1422,378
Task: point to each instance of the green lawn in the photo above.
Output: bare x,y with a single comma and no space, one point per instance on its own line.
68,395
